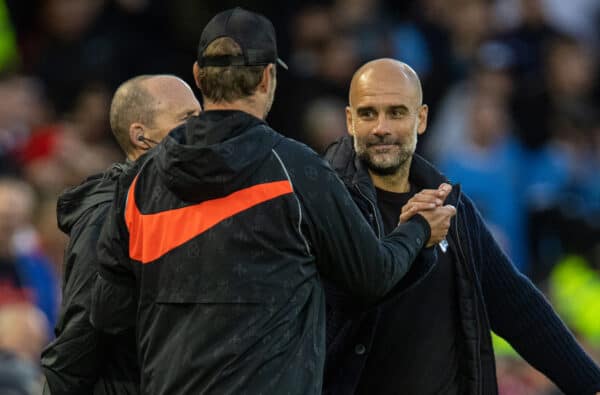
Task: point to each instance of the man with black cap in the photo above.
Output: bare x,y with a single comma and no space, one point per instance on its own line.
216,248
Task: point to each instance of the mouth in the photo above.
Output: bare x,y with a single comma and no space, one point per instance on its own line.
382,147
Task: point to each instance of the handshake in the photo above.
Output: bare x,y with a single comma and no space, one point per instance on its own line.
429,203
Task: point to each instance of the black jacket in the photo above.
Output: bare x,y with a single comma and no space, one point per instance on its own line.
81,360
493,295
223,235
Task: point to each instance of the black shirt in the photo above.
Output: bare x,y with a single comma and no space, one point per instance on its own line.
416,350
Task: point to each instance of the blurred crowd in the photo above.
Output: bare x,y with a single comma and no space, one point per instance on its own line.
513,88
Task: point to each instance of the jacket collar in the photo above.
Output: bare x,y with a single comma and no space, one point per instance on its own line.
353,172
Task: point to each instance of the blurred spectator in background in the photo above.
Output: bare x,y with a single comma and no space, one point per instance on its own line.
24,275
488,165
491,75
48,158
21,340
324,123
23,108
566,80
527,39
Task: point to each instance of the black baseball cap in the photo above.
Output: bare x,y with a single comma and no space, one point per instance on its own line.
253,32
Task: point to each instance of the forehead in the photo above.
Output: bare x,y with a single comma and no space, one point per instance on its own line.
174,93
384,90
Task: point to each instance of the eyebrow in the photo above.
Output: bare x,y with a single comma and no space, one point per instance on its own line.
400,107
365,108
392,107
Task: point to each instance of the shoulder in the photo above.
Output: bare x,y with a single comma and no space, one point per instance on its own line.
297,155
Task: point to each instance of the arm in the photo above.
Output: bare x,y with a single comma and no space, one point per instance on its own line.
347,250
71,363
114,296
520,314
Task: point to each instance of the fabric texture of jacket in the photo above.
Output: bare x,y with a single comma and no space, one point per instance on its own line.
81,360
492,295
215,252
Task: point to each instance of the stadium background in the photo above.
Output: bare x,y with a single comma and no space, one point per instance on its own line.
512,86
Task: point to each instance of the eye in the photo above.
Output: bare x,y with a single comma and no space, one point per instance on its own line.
366,113
398,113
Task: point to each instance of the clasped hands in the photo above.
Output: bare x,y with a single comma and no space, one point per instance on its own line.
429,203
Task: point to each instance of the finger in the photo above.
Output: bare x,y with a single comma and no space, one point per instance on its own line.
427,198
444,190
422,206
428,192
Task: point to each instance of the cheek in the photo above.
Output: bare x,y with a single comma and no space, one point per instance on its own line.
363,128
167,126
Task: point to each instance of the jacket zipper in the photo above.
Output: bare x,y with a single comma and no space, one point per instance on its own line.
476,310
373,212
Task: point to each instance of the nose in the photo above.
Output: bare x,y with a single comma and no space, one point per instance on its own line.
382,127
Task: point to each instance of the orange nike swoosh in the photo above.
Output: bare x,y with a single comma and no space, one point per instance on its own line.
153,235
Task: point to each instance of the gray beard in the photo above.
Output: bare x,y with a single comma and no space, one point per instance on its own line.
385,170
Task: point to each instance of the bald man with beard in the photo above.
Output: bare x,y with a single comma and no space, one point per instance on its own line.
432,335
81,360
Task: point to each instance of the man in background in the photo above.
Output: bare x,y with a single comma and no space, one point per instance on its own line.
81,360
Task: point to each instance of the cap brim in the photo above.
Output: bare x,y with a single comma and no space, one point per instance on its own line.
282,63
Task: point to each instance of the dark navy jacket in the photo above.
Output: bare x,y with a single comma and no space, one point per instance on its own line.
493,295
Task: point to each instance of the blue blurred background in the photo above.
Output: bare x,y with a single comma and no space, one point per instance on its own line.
512,86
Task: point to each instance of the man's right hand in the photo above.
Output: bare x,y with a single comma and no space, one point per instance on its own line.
439,222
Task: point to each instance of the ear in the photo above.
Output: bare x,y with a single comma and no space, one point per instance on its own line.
423,112
266,79
349,123
136,130
196,72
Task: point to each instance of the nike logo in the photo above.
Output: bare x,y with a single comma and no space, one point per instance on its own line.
153,235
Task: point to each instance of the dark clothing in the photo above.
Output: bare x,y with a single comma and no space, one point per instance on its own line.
82,360
390,205
436,332
491,295
216,260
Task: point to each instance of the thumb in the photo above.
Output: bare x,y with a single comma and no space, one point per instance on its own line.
450,209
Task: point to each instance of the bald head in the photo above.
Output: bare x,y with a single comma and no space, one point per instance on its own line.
385,116
149,106
385,76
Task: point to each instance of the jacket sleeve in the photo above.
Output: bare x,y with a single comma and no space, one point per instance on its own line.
347,250
114,296
520,313
72,361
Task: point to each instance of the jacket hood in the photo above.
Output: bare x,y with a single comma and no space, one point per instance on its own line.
352,171
95,190
212,155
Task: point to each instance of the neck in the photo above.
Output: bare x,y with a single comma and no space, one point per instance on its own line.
248,106
397,182
134,155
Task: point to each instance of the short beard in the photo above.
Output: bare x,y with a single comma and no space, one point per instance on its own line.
385,170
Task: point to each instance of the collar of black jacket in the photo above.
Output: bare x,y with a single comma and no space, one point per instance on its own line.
94,190
212,155
342,158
